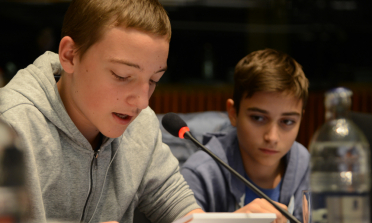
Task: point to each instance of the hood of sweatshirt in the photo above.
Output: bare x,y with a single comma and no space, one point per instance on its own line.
36,85
226,147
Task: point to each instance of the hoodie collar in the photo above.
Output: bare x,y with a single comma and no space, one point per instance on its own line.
226,147
37,83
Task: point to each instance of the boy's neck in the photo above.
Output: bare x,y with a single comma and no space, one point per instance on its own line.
91,134
97,142
267,177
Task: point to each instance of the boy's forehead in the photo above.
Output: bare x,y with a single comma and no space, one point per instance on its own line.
129,29
125,34
121,40
271,100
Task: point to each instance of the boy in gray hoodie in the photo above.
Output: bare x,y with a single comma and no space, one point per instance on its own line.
92,145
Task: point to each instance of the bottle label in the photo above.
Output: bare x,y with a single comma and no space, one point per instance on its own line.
340,207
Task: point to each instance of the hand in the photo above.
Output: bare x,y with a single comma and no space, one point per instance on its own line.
260,205
305,209
199,210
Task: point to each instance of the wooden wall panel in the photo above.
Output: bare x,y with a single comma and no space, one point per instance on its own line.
209,99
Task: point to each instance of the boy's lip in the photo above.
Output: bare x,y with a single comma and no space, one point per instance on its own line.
123,121
269,151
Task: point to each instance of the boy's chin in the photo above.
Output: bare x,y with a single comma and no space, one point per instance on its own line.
269,163
113,134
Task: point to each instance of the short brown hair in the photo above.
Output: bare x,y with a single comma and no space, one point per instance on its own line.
271,71
87,20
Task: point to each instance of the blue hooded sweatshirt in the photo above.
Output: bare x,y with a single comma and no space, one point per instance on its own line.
216,190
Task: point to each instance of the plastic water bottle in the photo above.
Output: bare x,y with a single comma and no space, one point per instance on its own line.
340,161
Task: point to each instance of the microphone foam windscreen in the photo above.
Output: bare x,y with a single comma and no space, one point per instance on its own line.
173,123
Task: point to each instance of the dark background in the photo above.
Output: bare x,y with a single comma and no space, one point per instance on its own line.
331,39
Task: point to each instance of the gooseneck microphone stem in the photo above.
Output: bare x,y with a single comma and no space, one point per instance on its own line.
178,128
290,217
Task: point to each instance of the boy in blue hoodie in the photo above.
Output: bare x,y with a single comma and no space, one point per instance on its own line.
270,92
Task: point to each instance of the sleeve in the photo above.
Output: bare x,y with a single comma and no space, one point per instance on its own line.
21,124
166,195
197,185
208,182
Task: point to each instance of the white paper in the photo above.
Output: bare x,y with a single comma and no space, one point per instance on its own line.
228,217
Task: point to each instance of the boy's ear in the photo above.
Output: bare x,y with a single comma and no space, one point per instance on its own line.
231,111
67,52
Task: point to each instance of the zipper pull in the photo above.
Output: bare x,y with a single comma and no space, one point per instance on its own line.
96,153
95,158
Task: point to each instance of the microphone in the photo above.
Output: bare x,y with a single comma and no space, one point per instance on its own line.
178,128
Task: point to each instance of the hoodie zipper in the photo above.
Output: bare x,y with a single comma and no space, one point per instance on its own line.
93,164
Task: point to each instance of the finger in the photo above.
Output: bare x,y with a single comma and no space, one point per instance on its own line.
260,205
279,217
281,205
283,218
267,207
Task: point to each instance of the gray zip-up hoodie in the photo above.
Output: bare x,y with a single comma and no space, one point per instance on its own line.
217,190
67,180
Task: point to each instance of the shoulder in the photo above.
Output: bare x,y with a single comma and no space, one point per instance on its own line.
203,174
17,110
10,99
218,144
300,152
298,163
199,160
146,118
143,133
145,124
296,177
202,163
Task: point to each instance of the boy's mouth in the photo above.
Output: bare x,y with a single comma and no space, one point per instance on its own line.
269,151
123,117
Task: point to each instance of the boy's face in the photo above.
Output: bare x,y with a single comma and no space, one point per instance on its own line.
267,125
115,79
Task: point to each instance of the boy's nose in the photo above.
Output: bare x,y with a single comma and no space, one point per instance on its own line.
140,97
272,134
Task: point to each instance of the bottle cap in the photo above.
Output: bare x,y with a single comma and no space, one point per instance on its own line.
338,96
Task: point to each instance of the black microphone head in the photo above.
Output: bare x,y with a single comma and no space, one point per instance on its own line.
173,123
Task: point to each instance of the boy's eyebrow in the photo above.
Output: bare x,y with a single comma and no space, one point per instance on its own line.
291,113
257,110
163,69
134,65
266,112
113,60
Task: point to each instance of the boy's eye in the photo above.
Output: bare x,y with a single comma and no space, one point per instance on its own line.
257,118
288,122
152,82
119,77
